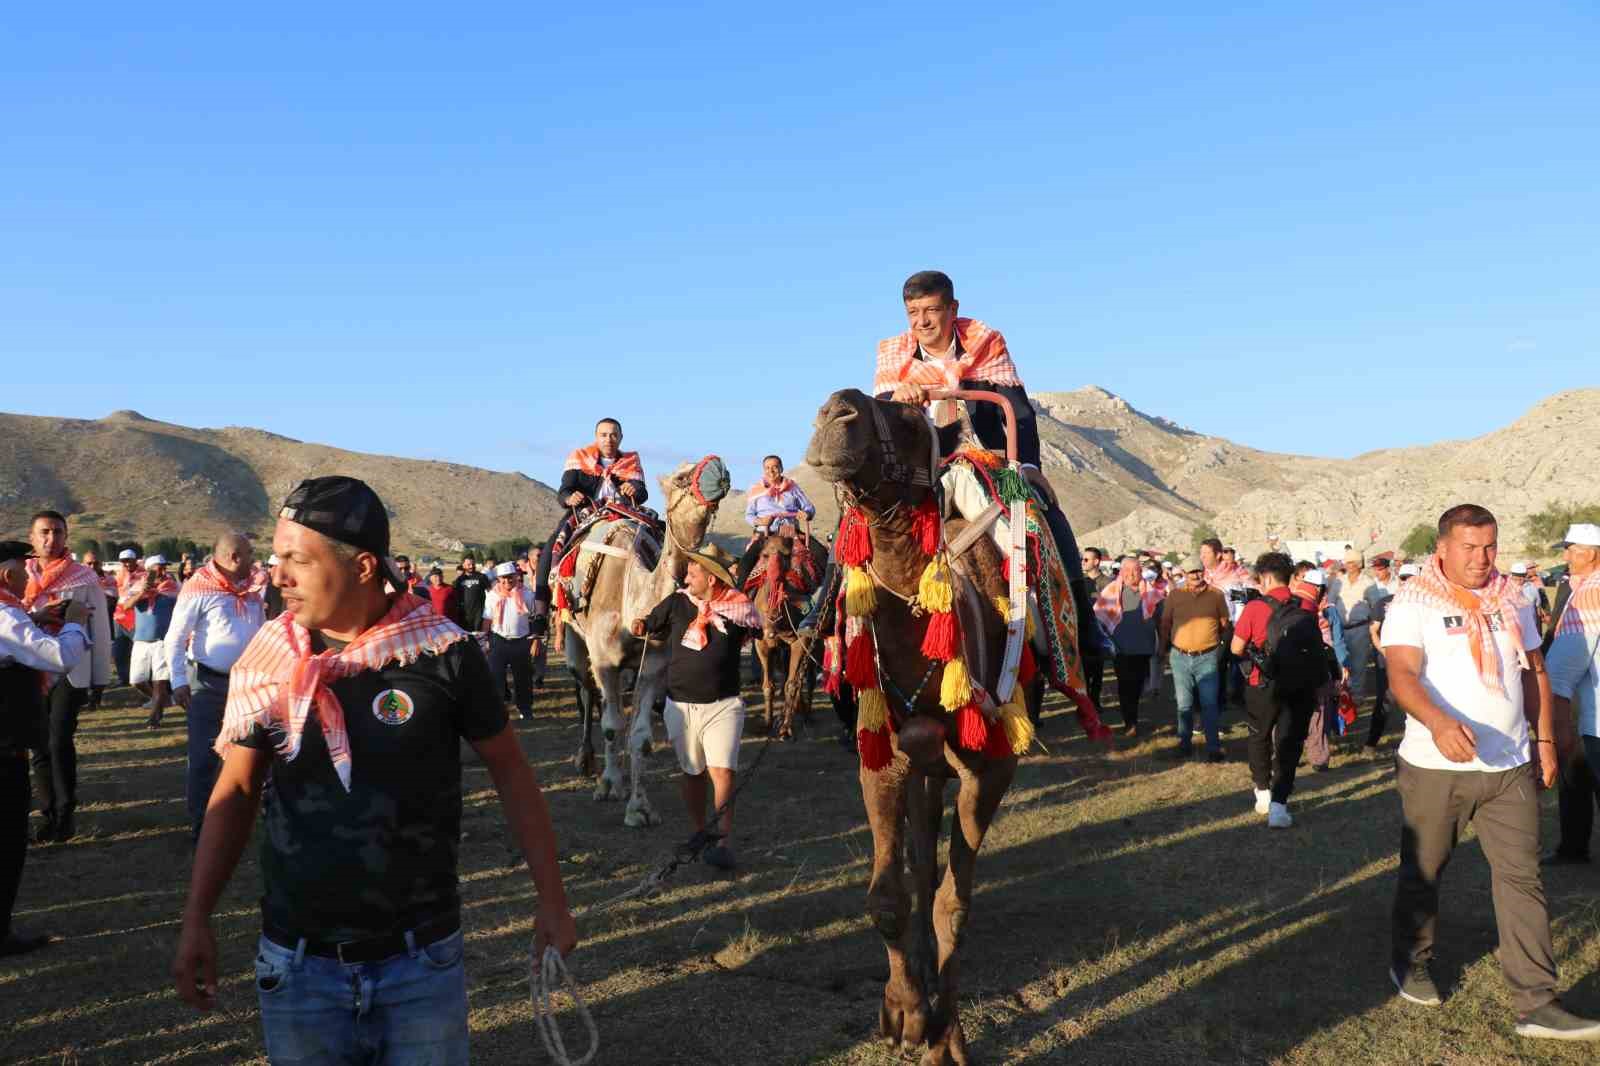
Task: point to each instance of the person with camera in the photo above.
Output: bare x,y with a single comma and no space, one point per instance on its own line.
1283,643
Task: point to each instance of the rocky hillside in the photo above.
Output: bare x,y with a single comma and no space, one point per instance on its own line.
127,476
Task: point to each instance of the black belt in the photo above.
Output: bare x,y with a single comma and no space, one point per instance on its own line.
372,949
218,676
1207,651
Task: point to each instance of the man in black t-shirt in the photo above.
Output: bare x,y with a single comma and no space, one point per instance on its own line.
472,588
705,624
355,702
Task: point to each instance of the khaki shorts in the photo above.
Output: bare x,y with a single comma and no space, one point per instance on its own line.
149,662
706,734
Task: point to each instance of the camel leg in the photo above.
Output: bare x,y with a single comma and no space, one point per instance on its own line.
764,656
588,698
976,802
639,813
903,1016
612,780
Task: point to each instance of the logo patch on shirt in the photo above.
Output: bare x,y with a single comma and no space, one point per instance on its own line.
1455,625
393,707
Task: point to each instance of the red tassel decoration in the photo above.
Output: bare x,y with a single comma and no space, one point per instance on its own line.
875,748
569,565
860,665
1005,569
925,526
561,601
972,729
997,745
855,540
942,641
1028,668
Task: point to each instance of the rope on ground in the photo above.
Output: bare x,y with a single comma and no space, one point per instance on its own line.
544,977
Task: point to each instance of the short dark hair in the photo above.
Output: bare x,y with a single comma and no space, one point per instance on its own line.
613,421
1277,564
928,283
1465,514
764,459
1213,543
1098,554
402,558
53,516
1303,566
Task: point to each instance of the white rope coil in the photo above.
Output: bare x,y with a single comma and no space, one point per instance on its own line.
544,977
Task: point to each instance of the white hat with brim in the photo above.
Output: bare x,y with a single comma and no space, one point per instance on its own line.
1409,570
506,570
1519,569
128,555
1316,577
155,560
1584,533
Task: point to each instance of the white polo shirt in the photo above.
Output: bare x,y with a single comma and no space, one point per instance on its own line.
1450,678
504,620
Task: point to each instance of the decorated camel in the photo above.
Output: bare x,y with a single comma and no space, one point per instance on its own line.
789,568
924,616
613,578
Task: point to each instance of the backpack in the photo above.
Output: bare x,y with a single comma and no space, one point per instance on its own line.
1293,657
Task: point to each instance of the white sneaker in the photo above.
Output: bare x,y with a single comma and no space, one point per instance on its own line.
1278,816
1263,800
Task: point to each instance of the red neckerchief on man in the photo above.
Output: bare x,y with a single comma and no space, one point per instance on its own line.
210,579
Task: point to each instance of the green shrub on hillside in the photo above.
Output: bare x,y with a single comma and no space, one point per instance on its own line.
1420,540
1548,526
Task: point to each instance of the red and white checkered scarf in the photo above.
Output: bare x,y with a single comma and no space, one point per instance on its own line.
139,589
1224,577
1582,613
1500,597
210,579
774,489
9,599
725,605
1108,605
55,578
625,467
278,682
983,358
518,602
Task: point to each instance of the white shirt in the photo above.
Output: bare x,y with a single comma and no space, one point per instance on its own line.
209,629
1450,678
93,669
1574,665
24,643
502,619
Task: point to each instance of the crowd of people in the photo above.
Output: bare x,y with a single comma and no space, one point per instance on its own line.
346,679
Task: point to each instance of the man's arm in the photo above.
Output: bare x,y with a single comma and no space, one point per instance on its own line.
176,649
1453,737
230,816
528,815
1571,660
23,641
1538,706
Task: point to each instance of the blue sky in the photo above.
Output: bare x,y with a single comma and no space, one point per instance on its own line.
466,233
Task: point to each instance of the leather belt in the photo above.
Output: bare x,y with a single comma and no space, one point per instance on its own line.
1206,651
219,677
372,949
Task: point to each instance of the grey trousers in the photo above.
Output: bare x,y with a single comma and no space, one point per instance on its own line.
1436,807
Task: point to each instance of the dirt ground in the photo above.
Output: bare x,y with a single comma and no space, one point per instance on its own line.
1130,909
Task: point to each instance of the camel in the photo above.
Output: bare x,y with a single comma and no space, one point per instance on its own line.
846,450
599,647
782,600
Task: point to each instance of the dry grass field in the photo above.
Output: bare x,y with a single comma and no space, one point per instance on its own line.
1130,909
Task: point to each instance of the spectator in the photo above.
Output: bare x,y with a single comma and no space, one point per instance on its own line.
1268,628
471,590
1578,793
122,622
446,604
1128,611
1310,586
1349,595
507,619
1094,666
152,597
1193,628
272,595
1465,666
776,500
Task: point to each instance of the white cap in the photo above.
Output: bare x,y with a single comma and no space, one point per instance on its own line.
1149,574
128,554
272,560
1409,570
1585,533
1519,568
1316,577
506,570
156,560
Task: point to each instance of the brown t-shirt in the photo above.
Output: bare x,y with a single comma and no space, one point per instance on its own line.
1194,621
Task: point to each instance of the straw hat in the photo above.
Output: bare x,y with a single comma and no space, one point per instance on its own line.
716,562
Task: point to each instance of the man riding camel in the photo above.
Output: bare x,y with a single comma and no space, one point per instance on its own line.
942,351
600,472
776,500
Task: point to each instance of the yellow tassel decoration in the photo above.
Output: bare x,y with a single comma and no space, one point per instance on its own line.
1014,717
935,593
860,596
955,689
872,711
1003,605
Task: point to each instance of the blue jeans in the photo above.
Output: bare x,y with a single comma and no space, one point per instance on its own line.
1198,678
408,1010
208,694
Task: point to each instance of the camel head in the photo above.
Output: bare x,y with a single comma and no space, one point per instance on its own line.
845,448
693,492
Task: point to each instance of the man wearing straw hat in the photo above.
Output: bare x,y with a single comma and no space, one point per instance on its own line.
705,624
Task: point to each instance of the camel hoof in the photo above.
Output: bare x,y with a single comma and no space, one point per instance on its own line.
950,1049
903,1026
642,816
604,789
583,762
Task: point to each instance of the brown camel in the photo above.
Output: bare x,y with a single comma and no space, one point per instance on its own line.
782,599
846,450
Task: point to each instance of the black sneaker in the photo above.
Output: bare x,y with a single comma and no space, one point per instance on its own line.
719,857
1415,983
1554,1022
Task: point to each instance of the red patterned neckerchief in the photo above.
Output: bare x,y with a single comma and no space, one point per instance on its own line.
983,357
278,683
772,490
516,602
625,467
210,579
139,589
727,605
1499,597
1108,605
56,578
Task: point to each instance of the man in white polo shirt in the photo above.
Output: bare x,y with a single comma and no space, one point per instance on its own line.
1464,664
217,614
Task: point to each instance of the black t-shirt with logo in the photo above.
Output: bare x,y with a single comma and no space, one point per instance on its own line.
382,857
471,589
